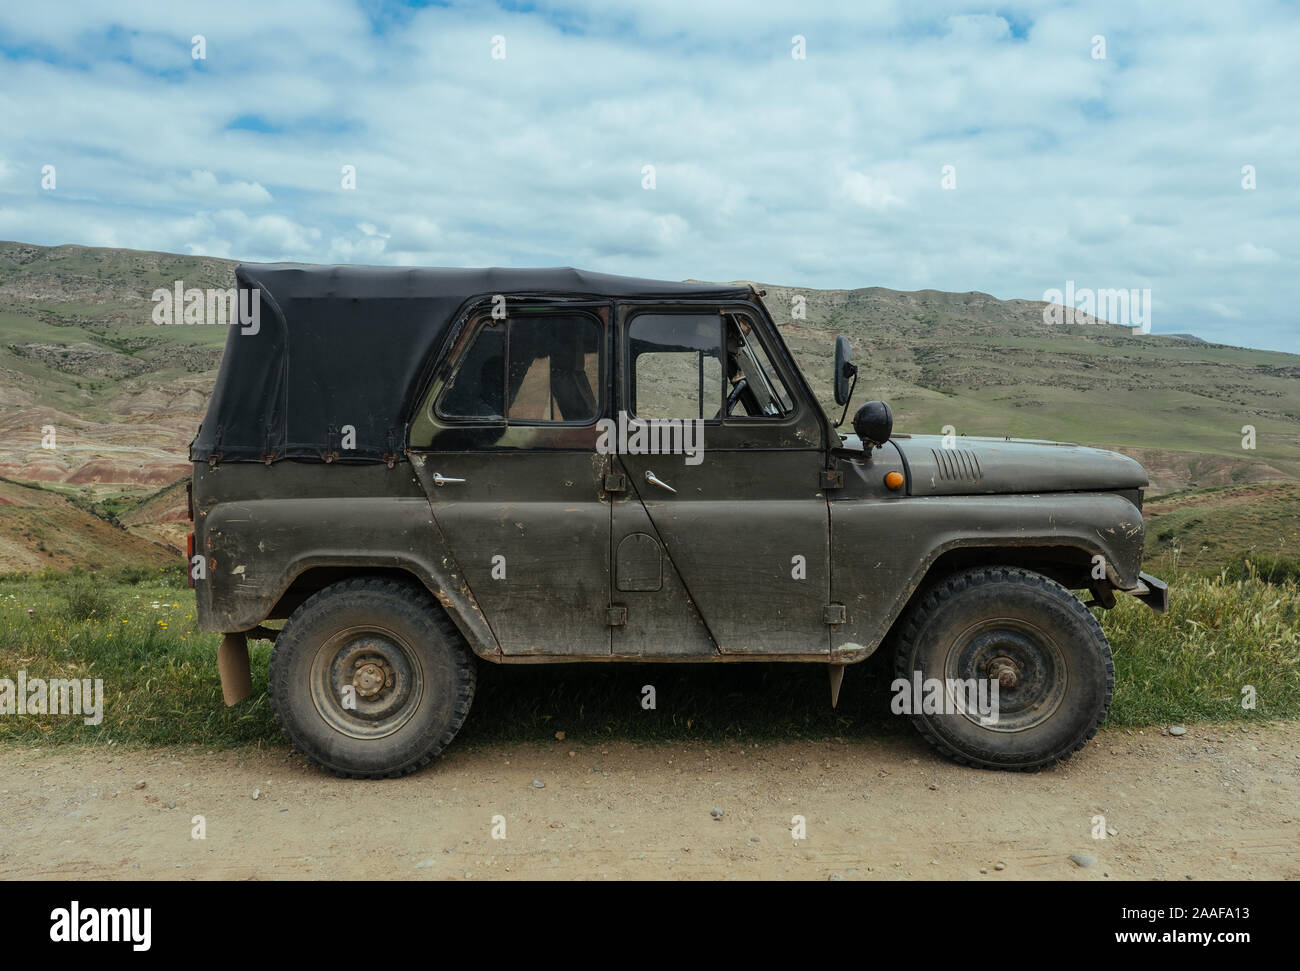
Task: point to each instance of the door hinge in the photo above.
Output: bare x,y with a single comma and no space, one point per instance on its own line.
834,614
832,479
616,616
615,482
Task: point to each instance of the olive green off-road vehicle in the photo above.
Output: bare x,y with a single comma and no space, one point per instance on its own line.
422,468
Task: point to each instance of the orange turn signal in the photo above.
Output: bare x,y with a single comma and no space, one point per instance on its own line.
894,480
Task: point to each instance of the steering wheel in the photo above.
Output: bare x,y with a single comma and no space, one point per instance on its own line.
737,390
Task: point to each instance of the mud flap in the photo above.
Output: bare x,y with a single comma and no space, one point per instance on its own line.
233,666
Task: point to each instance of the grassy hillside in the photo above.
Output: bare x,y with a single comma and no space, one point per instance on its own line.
1207,530
161,517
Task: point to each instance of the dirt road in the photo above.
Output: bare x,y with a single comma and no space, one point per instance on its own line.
1218,802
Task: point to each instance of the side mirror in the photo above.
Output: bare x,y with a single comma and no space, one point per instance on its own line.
874,423
844,371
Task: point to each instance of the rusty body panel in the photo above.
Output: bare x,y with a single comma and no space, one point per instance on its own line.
752,547
531,533
261,527
658,616
885,541
746,529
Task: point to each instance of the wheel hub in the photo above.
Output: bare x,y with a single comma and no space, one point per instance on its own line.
1003,670
370,678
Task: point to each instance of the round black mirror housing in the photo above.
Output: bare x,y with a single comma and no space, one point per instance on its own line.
874,423
844,371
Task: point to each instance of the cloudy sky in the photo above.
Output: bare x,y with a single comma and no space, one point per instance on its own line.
822,170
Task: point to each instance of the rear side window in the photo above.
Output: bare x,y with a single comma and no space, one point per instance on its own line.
529,369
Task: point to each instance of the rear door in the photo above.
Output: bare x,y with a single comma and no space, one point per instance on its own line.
509,462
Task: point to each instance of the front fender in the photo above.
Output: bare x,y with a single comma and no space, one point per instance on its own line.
881,550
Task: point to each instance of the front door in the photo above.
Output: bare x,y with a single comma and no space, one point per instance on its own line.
742,523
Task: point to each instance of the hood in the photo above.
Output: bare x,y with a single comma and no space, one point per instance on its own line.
983,466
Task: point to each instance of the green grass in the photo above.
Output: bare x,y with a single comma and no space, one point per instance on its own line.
20,328
159,674
1271,569
162,687
1191,663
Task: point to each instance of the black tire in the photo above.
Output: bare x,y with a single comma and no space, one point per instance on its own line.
1049,654
391,652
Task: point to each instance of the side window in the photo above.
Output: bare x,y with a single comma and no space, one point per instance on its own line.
675,366
529,369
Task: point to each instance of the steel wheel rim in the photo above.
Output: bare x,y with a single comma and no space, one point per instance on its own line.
1037,668
366,682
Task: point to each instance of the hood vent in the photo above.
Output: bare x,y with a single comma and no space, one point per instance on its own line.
956,464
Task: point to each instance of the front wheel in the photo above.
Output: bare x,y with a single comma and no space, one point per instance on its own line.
369,679
1004,669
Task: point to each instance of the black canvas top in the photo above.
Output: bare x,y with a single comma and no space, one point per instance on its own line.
348,345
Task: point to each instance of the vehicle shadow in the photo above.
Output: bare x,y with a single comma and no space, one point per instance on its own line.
679,702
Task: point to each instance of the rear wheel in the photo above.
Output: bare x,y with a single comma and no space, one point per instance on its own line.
1027,634
369,679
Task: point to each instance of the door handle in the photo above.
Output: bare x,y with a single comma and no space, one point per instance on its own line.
655,480
443,480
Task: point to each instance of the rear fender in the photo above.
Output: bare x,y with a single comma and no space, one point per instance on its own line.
255,549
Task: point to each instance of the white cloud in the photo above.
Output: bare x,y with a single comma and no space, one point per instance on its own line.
978,27
203,185
413,233
863,190
1250,253
283,238
1224,311
820,172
